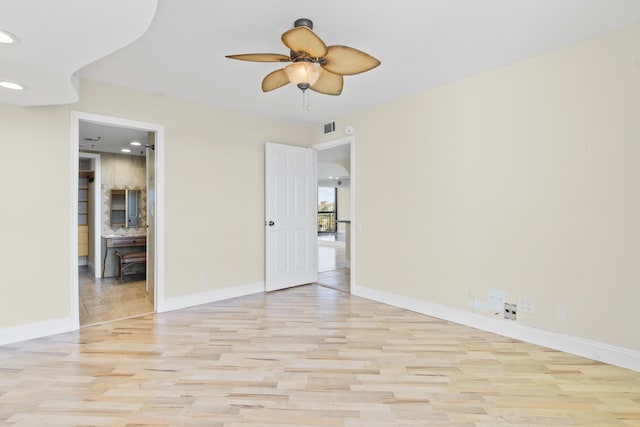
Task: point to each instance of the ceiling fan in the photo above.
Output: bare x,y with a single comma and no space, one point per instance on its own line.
313,65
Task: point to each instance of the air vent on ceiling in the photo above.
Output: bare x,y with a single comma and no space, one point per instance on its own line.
328,127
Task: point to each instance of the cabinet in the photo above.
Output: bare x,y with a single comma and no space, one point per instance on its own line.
83,240
118,208
125,208
84,203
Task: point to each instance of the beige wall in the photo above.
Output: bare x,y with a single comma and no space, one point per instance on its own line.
35,166
214,196
524,179
344,202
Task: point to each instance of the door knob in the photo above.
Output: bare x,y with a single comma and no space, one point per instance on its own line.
270,223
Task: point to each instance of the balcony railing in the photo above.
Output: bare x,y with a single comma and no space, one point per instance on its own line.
326,222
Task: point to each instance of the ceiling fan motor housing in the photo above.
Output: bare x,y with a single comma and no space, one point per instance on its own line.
304,22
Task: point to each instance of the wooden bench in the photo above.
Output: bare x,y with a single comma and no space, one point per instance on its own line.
125,261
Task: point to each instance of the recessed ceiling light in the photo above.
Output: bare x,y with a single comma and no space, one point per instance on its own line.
125,150
136,143
11,85
8,38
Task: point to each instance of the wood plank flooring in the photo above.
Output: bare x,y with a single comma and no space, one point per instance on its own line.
334,271
103,300
307,356
336,279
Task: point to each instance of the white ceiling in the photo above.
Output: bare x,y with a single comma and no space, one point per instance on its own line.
333,164
57,38
421,43
335,154
97,137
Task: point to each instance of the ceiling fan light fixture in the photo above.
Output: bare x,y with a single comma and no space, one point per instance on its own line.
303,74
314,65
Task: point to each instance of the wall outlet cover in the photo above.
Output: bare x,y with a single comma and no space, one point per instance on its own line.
526,305
510,311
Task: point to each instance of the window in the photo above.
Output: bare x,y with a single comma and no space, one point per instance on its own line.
327,209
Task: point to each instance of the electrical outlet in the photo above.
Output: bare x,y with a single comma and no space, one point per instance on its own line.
526,305
510,311
204,279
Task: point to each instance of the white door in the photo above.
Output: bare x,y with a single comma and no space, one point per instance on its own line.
290,216
151,218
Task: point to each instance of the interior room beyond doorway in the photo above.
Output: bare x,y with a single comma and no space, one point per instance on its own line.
334,217
112,206
334,270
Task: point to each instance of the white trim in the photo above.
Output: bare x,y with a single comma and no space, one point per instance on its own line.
74,298
200,298
352,255
35,330
159,277
333,143
352,154
76,116
618,356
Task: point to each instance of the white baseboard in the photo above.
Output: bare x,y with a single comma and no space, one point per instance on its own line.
191,300
618,356
35,330
56,326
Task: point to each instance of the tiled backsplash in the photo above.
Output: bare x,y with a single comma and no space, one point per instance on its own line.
121,172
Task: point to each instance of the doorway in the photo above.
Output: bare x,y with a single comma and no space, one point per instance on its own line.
335,212
96,283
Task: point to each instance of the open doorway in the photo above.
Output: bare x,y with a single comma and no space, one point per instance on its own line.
335,213
116,218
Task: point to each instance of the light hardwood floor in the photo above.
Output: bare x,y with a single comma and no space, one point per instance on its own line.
306,356
333,268
103,300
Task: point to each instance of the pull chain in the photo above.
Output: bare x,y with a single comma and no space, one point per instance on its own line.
305,101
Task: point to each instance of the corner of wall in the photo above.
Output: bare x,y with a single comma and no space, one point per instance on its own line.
35,330
613,355
176,303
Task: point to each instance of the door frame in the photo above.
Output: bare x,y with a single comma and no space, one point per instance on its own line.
76,117
352,154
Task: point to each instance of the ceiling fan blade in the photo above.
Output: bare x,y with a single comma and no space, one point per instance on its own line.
261,57
274,80
346,61
329,83
302,39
